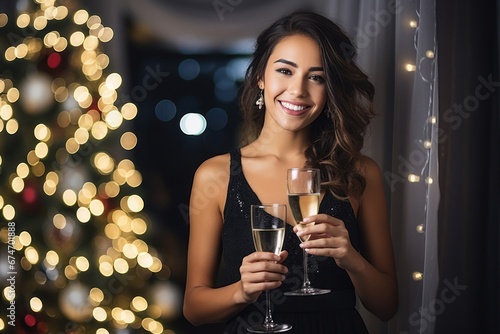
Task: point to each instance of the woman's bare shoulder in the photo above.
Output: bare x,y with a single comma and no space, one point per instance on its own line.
370,167
216,167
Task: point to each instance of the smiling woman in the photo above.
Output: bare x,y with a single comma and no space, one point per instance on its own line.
305,104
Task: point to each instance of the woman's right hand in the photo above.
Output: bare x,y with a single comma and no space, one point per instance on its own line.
261,271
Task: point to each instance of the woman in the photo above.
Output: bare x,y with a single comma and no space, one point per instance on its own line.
305,103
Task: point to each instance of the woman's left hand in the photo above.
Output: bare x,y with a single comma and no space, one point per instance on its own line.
328,237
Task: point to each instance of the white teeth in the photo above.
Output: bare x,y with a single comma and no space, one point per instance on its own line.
293,106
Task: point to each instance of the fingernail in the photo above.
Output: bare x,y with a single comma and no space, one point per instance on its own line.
276,257
306,220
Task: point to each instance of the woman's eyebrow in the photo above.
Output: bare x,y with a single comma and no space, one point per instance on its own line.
291,63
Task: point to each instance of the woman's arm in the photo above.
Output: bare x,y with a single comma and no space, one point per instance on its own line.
375,275
203,303
373,270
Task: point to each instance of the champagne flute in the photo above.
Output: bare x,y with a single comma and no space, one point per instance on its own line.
268,231
304,187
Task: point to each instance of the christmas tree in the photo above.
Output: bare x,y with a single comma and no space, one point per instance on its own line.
74,252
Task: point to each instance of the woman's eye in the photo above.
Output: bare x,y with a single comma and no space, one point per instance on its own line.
318,78
284,71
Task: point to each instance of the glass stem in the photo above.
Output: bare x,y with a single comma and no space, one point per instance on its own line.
306,284
268,322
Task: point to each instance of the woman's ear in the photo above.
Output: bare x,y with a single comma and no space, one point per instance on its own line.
261,84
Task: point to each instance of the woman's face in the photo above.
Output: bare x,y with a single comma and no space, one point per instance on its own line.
294,83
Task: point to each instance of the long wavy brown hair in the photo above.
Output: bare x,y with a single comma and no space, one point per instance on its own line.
337,135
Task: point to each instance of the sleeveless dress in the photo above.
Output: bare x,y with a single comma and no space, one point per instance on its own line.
331,313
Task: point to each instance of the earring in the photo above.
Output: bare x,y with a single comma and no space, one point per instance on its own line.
260,101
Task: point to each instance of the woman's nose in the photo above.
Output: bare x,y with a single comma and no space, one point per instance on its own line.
298,87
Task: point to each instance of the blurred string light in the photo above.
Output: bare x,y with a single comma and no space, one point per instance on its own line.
424,68
84,95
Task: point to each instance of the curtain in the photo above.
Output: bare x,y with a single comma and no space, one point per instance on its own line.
469,163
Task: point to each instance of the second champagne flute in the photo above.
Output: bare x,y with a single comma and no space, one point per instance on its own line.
304,188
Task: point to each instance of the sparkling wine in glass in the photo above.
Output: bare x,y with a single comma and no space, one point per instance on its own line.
304,187
268,231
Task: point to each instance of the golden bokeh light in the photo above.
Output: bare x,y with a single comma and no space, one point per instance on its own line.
128,140
6,112
69,197
129,111
8,212
12,126
83,214
96,295
99,314
36,304
81,17
52,258
41,150
25,238
42,132
31,255
40,23
82,263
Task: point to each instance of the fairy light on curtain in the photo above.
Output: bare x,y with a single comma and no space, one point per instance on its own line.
415,195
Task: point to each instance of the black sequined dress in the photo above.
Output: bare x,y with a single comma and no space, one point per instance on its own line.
330,313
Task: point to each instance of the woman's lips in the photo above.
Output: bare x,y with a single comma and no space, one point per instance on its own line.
294,109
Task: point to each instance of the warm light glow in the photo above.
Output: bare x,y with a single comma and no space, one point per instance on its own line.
23,20
25,238
96,295
52,258
139,304
113,81
413,178
31,254
427,144
96,207
417,276
420,228
6,112
413,24
410,68
81,136
429,180
40,23
83,214
121,266
106,269
99,130
41,150
144,259
12,126
36,304
429,54
135,203
128,140
69,197
130,251
42,132
77,38
99,314
112,231
138,226
432,120
82,263
17,184
9,212
129,111
59,221
114,119
81,17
